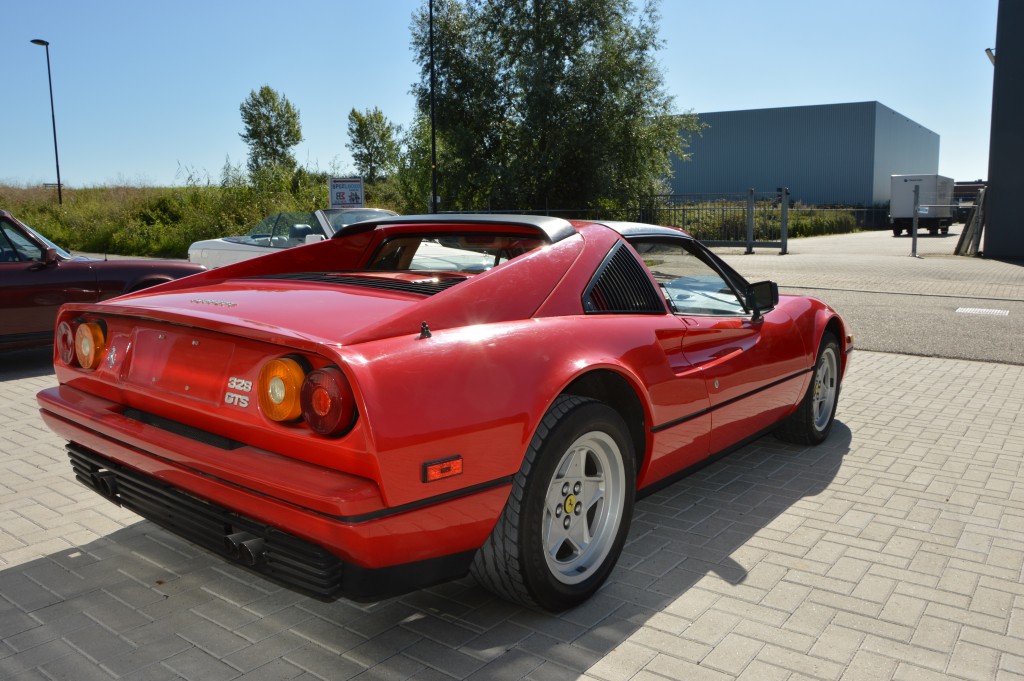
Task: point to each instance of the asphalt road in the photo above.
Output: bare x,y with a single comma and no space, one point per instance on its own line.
934,305
930,325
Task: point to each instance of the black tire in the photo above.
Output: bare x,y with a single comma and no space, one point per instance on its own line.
812,421
896,231
513,562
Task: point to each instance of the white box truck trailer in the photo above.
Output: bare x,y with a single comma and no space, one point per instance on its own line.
936,210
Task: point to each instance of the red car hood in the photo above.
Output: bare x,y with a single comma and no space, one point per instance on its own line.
271,310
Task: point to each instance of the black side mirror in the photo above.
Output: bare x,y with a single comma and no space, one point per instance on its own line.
761,297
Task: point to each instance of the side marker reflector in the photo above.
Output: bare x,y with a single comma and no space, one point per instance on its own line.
439,470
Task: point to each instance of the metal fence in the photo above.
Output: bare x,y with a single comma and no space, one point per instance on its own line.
727,218
751,218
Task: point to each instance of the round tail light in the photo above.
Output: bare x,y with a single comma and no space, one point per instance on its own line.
328,405
279,385
65,341
89,344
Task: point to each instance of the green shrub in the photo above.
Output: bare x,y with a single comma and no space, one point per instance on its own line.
164,221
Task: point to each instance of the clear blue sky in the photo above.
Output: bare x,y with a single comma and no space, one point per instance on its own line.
148,92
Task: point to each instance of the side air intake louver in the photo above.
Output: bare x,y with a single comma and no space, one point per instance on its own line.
622,286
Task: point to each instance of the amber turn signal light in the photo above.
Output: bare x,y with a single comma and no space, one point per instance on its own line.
89,345
279,387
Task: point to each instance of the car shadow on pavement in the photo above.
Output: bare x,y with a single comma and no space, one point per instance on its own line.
167,607
26,362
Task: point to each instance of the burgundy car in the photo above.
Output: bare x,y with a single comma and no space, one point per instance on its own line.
37,276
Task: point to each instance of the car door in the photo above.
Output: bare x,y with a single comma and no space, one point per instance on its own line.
752,365
34,288
629,315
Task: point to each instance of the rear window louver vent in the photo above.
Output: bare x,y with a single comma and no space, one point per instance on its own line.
622,286
425,287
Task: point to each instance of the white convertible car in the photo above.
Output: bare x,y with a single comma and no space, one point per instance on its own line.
280,230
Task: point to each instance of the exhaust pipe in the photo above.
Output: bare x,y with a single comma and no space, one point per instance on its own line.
252,551
106,483
245,547
233,543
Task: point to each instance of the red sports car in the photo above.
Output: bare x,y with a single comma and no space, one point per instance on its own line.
37,276
423,396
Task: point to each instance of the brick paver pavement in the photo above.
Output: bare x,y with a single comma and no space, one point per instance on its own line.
893,551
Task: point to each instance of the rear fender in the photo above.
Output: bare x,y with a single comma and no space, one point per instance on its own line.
473,393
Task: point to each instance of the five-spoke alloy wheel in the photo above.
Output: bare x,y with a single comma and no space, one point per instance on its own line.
569,511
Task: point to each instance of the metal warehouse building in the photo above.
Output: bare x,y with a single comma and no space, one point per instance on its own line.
826,154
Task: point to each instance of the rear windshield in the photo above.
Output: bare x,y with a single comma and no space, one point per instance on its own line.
450,252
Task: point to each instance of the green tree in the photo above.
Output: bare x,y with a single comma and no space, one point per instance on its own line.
271,130
373,143
548,103
413,174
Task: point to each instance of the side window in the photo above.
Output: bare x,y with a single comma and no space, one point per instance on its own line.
689,283
14,247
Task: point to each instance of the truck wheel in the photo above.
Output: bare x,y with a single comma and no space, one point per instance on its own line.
569,511
896,231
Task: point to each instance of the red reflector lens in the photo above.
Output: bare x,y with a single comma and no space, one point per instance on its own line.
65,341
327,401
320,401
439,470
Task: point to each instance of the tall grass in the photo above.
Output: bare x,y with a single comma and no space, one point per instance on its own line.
163,221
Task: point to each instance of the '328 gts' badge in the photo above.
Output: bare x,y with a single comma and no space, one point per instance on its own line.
236,386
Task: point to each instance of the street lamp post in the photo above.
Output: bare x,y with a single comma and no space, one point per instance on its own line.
433,139
53,115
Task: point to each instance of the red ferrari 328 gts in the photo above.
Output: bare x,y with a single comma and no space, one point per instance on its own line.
423,396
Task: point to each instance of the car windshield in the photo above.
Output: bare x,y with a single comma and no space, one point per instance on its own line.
25,246
282,230
450,252
344,218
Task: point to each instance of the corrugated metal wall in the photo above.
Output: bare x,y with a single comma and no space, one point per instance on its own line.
825,154
902,147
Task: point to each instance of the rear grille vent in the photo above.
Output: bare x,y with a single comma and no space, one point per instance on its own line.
424,287
622,286
286,558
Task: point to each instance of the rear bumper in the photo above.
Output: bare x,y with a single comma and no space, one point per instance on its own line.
316,530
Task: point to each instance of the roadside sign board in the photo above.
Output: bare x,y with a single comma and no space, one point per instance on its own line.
346,192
